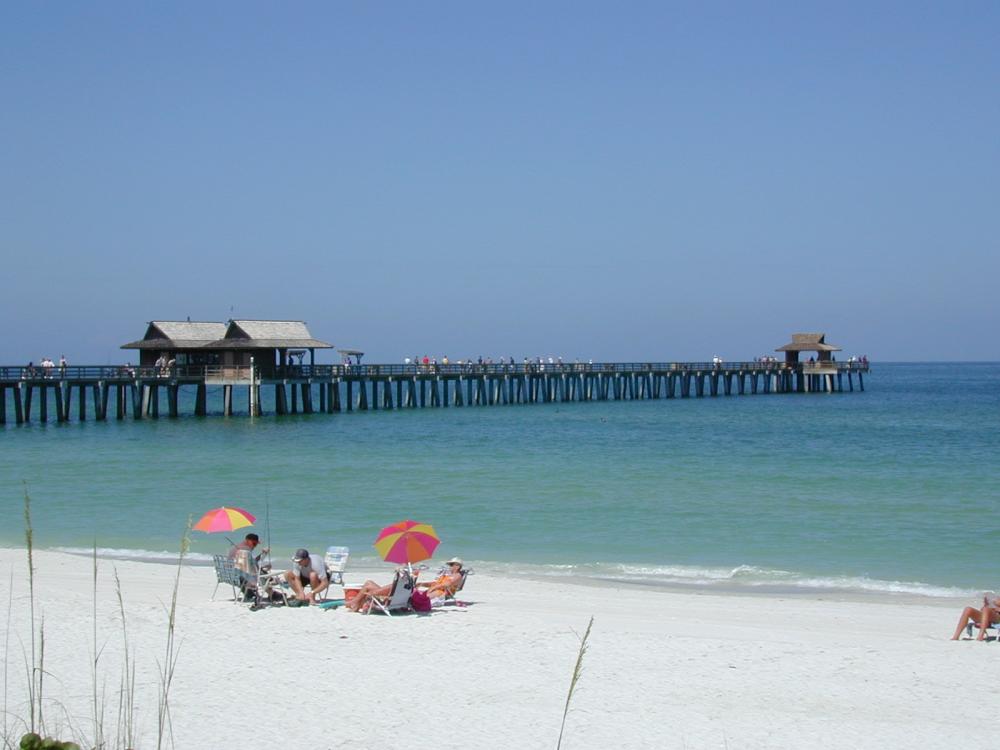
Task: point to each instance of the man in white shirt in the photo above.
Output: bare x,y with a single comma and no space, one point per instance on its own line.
309,570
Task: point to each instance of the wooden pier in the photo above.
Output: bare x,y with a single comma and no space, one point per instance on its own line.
148,392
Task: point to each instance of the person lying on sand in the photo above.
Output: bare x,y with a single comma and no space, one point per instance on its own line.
983,618
446,584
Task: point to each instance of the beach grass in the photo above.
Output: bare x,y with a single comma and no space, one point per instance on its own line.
28,731
577,672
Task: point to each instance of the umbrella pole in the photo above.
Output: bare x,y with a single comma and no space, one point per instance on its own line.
267,521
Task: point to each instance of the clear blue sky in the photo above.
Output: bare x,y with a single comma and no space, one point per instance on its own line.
616,181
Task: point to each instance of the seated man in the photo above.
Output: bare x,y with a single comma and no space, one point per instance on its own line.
242,554
244,561
446,584
309,570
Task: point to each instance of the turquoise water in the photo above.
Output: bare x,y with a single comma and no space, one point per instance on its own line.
892,489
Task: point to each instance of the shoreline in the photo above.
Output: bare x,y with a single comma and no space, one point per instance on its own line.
663,669
722,587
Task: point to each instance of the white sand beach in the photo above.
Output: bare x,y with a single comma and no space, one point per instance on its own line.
663,669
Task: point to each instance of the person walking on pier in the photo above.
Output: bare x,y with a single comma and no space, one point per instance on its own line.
62,365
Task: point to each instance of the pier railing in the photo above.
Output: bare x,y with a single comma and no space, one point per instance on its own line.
83,373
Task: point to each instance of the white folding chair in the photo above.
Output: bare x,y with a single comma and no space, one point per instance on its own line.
399,595
336,562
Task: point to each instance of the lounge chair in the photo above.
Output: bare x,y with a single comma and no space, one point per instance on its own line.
970,627
398,599
336,561
226,572
450,598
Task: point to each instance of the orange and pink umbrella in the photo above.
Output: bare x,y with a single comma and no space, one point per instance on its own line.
224,519
407,542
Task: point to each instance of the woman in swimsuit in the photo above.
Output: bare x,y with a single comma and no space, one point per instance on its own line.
983,618
446,584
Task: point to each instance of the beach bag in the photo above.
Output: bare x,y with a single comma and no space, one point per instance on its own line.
420,602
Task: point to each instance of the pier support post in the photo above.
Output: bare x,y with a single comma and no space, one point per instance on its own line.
295,398
136,391
43,404
3,404
172,400
120,402
280,406
27,402
105,388
350,395
18,406
861,382
201,400
59,390
322,398
337,405
307,402
227,400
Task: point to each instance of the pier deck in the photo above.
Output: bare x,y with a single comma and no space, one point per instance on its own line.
136,391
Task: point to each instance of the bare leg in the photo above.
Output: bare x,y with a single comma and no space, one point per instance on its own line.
293,580
969,613
365,594
987,618
361,598
317,585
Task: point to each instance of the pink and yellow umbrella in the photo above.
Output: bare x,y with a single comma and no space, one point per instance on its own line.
407,542
224,519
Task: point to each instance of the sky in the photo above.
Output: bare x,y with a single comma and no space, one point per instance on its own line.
616,181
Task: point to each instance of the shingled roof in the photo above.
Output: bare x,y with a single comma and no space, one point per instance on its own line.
271,334
808,342
237,334
179,334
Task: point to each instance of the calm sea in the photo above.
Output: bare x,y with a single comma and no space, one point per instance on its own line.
896,489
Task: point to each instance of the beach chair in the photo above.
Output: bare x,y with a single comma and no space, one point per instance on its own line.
971,627
272,588
994,601
336,562
398,599
226,572
451,599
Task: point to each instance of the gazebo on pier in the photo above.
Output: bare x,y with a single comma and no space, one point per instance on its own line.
808,342
232,344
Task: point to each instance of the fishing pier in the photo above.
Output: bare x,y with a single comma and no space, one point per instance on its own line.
154,388
146,392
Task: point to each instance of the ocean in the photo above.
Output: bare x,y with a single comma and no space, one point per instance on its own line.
896,489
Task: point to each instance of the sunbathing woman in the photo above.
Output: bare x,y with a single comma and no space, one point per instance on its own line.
446,584
369,590
983,618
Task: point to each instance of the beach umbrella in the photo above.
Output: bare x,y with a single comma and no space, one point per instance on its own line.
407,542
224,519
